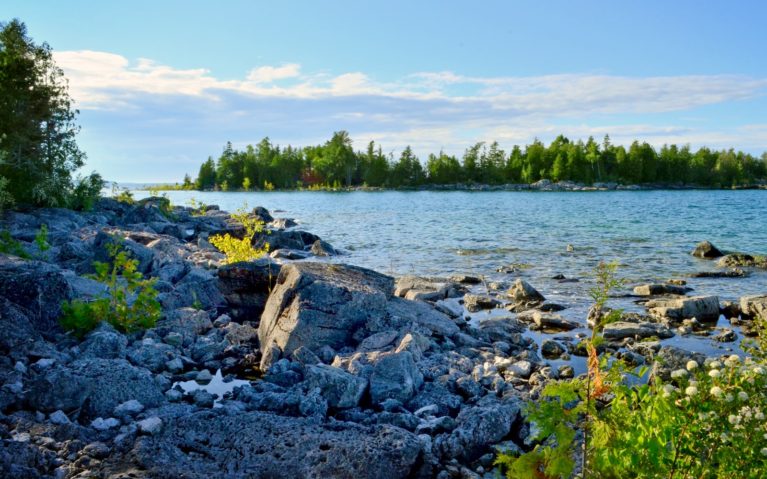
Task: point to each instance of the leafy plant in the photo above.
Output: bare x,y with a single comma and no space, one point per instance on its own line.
86,191
241,249
124,196
41,239
198,207
8,245
131,301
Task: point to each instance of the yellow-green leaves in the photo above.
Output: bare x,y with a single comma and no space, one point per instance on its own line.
241,249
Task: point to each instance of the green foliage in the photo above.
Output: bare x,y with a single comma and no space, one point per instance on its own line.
198,207
125,196
86,191
708,421
241,249
37,122
131,302
8,245
41,239
335,162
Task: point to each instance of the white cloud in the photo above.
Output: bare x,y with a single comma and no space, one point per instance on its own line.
269,74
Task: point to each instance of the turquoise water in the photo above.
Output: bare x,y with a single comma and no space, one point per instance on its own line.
650,233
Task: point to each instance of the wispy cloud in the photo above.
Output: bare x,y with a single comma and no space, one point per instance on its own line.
157,111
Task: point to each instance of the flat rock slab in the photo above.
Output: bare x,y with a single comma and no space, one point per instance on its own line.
624,329
660,289
703,308
215,444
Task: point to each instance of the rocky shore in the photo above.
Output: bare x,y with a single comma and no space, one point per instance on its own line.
303,367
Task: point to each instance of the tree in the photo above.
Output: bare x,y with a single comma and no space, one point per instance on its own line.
37,122
206,178
408,170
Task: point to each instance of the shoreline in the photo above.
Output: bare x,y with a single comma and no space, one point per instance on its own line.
351,362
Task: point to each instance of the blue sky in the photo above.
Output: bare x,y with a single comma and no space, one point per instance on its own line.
161,85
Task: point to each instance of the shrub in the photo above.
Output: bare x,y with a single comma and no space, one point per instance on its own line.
131,301
86,192
241,249
8,245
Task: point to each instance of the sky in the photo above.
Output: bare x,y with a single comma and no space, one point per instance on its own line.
162,85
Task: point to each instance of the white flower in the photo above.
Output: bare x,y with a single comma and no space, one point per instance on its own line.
764,451
759,370
679,373
692,365
733,419
729,397
714,373
759,416
691,391
667,390
715,365
743,396
716,391
734,358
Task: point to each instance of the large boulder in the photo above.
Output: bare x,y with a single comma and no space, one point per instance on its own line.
657,289
754,306
742,259
703,308
316,304
219,444
38,287
426,289
136,250
197,286
246,286
17,333
95,386
706,250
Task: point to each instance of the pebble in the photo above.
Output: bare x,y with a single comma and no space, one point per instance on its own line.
151,425
59,417
101,424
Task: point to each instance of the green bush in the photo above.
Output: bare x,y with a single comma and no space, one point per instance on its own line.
131,302
708,421
8,245
86,191
241,249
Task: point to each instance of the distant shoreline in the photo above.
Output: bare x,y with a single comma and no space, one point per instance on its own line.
543,185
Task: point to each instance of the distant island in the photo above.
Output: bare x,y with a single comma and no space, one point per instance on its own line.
336,165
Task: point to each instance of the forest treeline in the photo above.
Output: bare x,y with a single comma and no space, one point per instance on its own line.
336,163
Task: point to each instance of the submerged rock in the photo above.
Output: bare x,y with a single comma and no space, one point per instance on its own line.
523,292
705,249
623,329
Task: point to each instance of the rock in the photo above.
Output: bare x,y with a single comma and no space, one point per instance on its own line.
38,287
128,408
449,307
262,214
395,376
378,341
283,223
306,357
316,304
246,286
203,377
523,292
403,312
754,306
198,287
175,365
468,387
137,251
101,424
313,404
425,289
287,239
105,343
671,358
624,329
151,355
501,329
565,371
186,322
435,395
474,302
322,248
17,333
549,321
478,429
725,336
704,308
733,273
268,445
518,369
240,334
289,254
151,425
706,250
465,279
59,417
203,398
660,289
741,259
551,349
340,389
96,386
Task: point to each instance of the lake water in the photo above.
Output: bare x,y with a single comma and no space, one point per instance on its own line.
650,234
